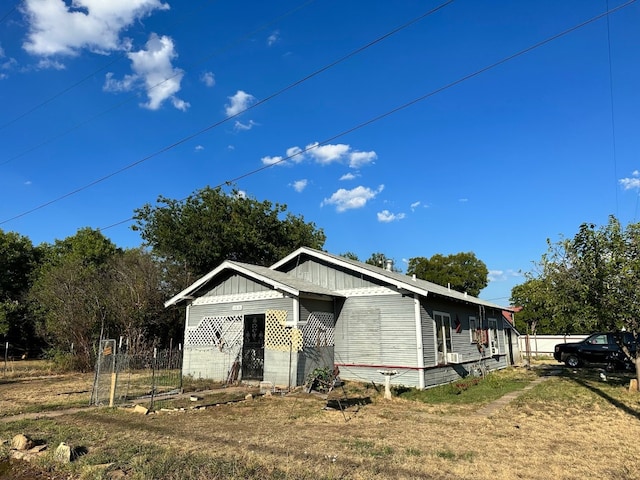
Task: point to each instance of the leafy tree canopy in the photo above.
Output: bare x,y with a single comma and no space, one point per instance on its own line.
462,271
18,259
591,281
212,226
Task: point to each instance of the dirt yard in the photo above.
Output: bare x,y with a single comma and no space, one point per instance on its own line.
562,428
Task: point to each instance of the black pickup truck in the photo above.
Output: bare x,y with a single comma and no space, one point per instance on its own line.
599,349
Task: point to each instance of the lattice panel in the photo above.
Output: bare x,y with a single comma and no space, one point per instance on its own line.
224,332
319,330
279,338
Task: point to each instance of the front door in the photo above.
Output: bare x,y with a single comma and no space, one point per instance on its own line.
253,348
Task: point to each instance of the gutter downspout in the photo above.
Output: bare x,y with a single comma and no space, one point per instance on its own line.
419,345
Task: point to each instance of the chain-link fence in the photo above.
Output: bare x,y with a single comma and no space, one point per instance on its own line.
122,378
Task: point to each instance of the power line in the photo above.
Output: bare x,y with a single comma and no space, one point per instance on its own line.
407,104
613,120
131,97
221,122
8,14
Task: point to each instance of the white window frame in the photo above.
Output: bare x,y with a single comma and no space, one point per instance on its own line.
492,323
473,330
445,323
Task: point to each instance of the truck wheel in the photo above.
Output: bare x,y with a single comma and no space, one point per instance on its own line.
572,361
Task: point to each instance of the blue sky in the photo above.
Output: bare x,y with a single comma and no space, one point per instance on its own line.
107,105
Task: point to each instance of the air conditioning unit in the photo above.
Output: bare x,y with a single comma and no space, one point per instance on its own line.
453,357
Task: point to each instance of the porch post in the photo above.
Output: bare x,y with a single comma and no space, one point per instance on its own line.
419,345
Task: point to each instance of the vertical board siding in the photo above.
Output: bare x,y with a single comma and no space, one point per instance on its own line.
376,331
329,276
236,284
310,359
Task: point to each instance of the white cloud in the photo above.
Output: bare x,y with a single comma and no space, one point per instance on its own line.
273,38
153,72
300,185
386,216
347,176
326,154
502,275
349,199
358,159
49,64
295,154
6,63
238,103
272,160
199,148
180,104
631,183
414,205
463,200
56,28
208,78
244,126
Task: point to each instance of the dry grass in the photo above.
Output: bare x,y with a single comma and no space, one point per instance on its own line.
572,426
33,385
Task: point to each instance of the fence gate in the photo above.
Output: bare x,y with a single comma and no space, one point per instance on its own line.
105,370
121,377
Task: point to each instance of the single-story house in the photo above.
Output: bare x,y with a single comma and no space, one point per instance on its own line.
314,310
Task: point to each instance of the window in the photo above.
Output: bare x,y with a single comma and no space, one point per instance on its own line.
443,336
494,345
473,330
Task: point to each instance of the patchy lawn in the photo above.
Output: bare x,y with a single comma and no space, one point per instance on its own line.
572,426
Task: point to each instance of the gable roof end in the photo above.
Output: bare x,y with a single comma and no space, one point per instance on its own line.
277,280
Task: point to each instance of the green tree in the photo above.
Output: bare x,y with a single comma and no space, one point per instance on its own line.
593,279
532,297
463,272
70,291
350,256
18,259
135,295
212,226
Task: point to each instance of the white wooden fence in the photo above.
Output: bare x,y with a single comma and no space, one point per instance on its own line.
544,344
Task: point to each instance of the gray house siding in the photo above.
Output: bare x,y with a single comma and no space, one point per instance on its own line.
359,317
317,322
209,358
236,284
377,333
462,342
329,276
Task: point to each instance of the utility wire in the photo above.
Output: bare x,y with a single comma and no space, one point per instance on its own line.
8,14
131,97
221,122
405,105
334,137
613,119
